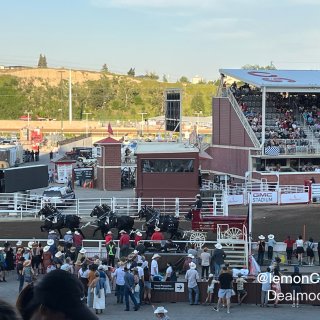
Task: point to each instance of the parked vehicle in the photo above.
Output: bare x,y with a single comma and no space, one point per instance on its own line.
59,195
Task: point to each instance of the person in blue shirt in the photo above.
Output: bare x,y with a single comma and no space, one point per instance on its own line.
129,290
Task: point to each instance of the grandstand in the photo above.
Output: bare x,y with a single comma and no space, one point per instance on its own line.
267,125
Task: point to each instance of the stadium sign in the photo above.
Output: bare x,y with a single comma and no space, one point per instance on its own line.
264,197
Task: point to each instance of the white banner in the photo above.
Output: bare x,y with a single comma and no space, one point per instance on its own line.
294,197
234,199
266,197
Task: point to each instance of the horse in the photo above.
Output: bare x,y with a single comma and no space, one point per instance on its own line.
107,220
166,223
51,213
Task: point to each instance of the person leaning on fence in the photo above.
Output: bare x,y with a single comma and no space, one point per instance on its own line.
310,253
205,263
124,243
289,249
218,258
270,244
58,295
261,249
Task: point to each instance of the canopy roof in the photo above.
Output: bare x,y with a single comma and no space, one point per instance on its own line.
278,80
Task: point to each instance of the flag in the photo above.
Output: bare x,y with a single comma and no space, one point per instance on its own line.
109,128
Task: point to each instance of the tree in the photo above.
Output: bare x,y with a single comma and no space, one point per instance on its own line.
105,68
197,102
271,66
152,76
42,63
184,79
164,78
132,72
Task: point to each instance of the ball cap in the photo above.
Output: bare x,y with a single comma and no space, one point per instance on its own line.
60,291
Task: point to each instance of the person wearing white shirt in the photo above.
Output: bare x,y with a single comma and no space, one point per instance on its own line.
154,265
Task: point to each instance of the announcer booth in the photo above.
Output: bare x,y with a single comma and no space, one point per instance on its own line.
167,170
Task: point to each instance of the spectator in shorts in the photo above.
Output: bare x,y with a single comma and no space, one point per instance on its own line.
240,288
225,279
310,253
300,249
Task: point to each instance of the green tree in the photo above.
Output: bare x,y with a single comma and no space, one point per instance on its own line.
151,75
184,79
132,72
197,102
271,66
105,68
164,78
42,62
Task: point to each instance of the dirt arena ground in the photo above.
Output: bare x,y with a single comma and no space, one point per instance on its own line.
279,220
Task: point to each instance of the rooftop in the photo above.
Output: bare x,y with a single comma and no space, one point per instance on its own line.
164,147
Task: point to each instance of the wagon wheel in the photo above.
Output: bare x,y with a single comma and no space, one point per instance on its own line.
232,234
197,236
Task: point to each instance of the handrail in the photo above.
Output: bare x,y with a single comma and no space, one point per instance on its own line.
242,118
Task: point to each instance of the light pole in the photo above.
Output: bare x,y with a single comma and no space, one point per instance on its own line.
61,110
198,114
87,113
142,114
28,129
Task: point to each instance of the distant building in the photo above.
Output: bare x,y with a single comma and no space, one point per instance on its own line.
197,79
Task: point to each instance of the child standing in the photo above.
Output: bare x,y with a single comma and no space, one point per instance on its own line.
240,288
210,289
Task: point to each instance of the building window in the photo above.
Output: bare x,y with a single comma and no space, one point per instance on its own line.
167,165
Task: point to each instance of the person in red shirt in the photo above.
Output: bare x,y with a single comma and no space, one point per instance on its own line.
289,248
108,237
124,243
77,240
157,235
137,238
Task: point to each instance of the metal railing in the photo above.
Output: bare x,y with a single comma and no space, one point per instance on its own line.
242,118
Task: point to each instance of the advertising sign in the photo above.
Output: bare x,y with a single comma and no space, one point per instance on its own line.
234,199
264,197
302,197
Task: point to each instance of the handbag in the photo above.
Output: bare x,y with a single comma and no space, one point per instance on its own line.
137,288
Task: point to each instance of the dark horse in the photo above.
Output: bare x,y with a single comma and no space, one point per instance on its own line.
55,220
107,220
167,223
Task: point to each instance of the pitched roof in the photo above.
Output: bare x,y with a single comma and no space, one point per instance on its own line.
108,140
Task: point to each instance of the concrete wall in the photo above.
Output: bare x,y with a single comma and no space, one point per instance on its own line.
86,142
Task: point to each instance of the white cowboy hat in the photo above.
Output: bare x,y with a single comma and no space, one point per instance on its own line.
83,250
218,245
211,275
51,232
50,242
58,254
270,236
135,252
198,195
192,265
122,231
139,234
160,310
46,248
77,233
261,237
190,256
30,243
19,243
109,232
156,256
156,229
69,232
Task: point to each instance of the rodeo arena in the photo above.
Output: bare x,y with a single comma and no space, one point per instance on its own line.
175,228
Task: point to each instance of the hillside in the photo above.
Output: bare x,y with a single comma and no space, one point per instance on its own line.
104,95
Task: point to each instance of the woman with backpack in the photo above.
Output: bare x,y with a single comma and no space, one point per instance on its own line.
310,253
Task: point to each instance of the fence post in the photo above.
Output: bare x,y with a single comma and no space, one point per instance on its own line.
113,204
279,196
177,213
225,203
139,204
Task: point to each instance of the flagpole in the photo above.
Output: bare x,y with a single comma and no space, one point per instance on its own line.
250,222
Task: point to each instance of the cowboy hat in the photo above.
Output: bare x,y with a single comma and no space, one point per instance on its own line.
123,231
261,237
211,275
109,232
51,232
19,243
160,310
30,243
157,229
77,233
27,263
50,242
218,245
58,254
139,234
69,232
270,236
46,248
190,256
192,265
156,256
198,195
73,249
135,252
83,250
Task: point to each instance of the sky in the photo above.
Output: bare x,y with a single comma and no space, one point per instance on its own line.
169,37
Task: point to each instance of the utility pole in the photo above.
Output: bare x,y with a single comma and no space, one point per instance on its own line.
28,129
142,121
198,114
87,113
61,119
61,99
